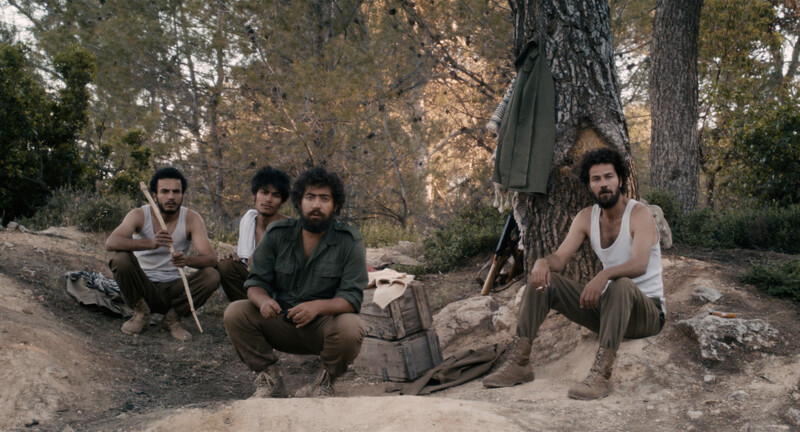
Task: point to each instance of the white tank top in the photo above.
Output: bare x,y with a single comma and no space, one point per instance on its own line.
650,283
157,263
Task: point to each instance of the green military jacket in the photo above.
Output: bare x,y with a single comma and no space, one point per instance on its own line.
336,268
526,138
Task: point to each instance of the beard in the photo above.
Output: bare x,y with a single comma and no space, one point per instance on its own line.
168,212
607,202
318,226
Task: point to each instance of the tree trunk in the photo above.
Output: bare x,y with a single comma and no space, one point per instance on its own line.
577,39
674,150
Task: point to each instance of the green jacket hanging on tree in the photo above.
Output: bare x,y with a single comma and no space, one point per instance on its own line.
527,133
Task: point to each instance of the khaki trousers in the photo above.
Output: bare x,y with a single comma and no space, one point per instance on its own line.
161,296
232,275
623,310
336,339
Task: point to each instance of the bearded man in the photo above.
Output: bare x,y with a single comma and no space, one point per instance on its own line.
626,299
146,271
304,291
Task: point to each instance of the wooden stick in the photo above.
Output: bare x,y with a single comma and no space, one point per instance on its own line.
153,205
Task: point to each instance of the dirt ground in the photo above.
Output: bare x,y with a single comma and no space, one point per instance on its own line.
67,368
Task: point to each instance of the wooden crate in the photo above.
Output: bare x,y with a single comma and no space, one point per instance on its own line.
405,315
402,360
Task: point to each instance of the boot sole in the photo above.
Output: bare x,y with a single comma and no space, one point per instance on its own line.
502,385
581,397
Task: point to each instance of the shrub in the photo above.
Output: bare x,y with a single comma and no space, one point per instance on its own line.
471,231
778,280
379,233
769,228
90,211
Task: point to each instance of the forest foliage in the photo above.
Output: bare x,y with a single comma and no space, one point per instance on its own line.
392,94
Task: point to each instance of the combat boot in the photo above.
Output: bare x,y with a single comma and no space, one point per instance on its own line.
172,322
598,384
140,319
269,383
323,384
517,368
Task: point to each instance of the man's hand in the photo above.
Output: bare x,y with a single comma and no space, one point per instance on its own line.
269,308
179,260
590,297
540,275
303,313
230,256
162,238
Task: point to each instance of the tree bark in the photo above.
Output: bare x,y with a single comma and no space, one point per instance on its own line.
674,149
577,39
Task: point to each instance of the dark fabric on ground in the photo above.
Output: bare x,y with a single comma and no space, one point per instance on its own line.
455,370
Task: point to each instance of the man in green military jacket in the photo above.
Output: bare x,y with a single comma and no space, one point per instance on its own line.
304,291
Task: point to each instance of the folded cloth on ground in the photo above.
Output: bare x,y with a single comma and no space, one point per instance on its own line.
96,290
389,285
455,370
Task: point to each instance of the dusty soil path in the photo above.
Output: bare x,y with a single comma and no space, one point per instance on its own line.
66,368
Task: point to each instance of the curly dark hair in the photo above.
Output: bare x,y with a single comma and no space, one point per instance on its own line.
270,176
167,173
605,156
318,176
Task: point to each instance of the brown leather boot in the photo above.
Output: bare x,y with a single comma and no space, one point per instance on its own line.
323,384
269,383
598,384
517,368
140,319
172,322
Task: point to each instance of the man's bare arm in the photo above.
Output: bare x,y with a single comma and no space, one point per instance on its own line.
196,231
121,239
578,231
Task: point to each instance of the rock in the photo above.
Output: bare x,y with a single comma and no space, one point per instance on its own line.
13,226
694,415
664,232
740,395
463,317
718,337
793,416
9,245
709,379
707,294
504,319
384,257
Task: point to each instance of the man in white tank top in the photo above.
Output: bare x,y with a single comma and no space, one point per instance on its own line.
146,271
270,188
626,299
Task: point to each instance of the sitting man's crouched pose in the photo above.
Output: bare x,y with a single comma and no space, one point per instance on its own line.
626,299
304,291
146,271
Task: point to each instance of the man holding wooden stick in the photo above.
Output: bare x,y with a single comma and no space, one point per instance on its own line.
304,291
147,272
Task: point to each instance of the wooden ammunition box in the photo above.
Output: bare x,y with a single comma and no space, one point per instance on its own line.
403,360
405,315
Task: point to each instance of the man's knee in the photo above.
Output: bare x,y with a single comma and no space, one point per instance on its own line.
209,276
235,313
123,262
620,288
225,266
348,329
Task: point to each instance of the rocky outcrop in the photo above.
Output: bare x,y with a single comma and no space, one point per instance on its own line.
719,338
